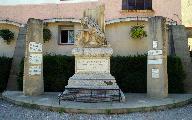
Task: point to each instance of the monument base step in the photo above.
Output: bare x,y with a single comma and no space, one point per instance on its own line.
92,76
91,95
92,83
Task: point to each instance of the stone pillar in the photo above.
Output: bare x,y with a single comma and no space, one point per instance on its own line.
182,51
157,79
92,72
33,61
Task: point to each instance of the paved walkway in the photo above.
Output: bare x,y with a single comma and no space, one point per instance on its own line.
12,112
134,103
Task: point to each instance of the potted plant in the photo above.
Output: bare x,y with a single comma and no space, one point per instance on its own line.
7,35
138,32
46,34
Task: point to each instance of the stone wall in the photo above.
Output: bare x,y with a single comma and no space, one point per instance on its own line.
182,50
117,34
52,46
8,49
186,15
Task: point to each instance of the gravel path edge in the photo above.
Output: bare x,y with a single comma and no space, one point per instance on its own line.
99,111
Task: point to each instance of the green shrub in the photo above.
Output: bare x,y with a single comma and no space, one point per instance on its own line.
176,75
130,73
7,35
57,70
5,65
138,32
46,34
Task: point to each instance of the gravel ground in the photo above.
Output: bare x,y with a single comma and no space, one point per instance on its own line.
12,112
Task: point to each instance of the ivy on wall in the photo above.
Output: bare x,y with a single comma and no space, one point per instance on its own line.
46,34
138,32
7,35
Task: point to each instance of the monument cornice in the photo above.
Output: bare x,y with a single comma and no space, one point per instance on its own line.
92,52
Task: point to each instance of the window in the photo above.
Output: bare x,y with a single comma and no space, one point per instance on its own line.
137,5
66,35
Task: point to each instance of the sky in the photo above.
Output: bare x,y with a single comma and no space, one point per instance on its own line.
16,2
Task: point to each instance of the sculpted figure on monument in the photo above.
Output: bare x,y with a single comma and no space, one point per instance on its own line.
92,35
92,62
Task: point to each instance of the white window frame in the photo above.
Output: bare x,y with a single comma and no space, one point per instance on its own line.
68,29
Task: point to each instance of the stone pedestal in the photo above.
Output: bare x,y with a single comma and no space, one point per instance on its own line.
92,71
92,81
33,61
157,80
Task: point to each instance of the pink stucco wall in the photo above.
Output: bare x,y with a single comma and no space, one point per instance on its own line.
21,13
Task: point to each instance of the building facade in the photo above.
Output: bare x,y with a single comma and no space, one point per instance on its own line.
63,19
187,18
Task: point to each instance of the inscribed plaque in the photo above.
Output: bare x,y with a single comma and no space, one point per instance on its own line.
155,73
155,52
35,58
35,47
92,65
35,70
155,44
155,62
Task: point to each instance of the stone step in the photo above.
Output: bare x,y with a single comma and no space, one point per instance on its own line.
88,99
89,95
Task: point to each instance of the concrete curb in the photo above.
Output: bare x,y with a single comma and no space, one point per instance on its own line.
98,111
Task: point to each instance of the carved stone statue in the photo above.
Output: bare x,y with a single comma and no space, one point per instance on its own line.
92,35
92,62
